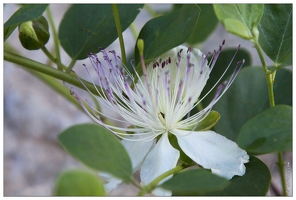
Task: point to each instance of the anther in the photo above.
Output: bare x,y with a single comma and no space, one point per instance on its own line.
189,49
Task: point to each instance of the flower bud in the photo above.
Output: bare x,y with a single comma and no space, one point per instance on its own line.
34,34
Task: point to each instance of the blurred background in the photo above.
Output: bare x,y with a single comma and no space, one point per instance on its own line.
34,115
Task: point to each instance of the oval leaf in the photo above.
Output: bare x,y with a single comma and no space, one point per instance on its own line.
163,33
270,131
205,25
97,148
25,13
78,183
255,182
194,182
248,96
87,28
239,19
275,30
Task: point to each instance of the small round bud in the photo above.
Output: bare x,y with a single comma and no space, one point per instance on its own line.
255,33
34,34
140,45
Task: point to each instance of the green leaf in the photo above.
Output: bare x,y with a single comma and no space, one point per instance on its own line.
194,182
207,123
270,131
248,96
97,148
255,182
205,25
220,67
89,27
78,183
163,33
25,13
239,19
275,30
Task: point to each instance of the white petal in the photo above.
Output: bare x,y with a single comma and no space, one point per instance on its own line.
160,159
112,182
137,150
213,151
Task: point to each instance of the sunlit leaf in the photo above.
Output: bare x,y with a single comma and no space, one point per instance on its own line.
239,19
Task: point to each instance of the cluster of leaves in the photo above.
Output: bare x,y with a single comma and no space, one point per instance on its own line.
246,116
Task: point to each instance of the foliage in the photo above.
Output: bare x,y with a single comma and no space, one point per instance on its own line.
248,113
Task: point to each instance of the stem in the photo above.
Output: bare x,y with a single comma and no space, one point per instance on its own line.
48,54
281,165
55,39
119,32
151,12
134,30
135,183
71,66
31,64
270,76
148,188
54,60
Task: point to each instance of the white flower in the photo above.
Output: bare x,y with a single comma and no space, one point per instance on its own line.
158,104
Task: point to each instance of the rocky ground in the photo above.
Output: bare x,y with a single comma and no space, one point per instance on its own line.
34,114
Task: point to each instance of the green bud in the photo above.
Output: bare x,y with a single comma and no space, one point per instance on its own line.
34,34
255,33
140,44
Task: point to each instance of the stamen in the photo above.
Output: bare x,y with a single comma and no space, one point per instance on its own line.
167,86
222,74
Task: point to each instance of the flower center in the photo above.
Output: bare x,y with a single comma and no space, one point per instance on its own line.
161,117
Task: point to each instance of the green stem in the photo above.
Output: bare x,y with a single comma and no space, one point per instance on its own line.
135,183
55,39
270,76
281,165
150,11
71,66
48,54
148,188
119,32
54,60
134,30
31,64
